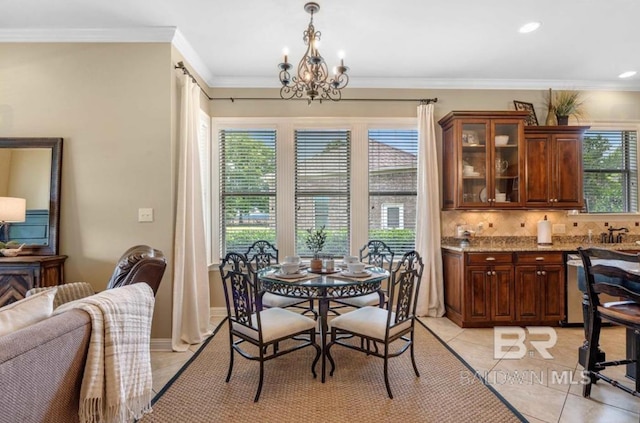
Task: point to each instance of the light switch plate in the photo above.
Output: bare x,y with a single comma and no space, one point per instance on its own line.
145,215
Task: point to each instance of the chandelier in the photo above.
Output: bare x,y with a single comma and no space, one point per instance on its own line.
312,77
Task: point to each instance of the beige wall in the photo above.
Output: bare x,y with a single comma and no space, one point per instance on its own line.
112,105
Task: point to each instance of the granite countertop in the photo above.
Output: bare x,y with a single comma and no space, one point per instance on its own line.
507,244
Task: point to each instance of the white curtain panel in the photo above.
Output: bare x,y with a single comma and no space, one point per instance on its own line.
431,295
190,272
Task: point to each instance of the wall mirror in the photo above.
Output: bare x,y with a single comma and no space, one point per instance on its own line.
30,168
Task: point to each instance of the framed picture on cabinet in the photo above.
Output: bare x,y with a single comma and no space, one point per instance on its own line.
531,120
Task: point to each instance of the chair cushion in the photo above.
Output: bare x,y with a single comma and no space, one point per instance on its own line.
621,310
372,299
26,311
368,321
276,323
274,300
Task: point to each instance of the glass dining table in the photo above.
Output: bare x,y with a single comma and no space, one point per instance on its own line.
323,287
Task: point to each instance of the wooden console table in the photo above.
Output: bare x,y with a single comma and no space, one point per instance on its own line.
20,274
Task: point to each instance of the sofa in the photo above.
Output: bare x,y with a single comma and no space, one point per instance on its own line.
41,368
42,365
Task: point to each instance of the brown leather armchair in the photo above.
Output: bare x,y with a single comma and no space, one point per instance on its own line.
140,263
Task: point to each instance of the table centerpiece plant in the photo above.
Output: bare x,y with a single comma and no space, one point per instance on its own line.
315,241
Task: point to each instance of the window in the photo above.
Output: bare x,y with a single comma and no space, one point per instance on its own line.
322,188
393,167
354,176
610,171
247,188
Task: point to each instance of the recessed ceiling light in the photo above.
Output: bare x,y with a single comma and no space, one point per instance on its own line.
627,74
529,27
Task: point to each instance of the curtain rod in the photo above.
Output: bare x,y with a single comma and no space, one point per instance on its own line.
184,69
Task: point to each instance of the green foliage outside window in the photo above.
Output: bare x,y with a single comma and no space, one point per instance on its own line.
610,174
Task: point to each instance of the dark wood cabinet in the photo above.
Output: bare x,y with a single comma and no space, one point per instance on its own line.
488,289
540,287
553,167
482,159
20,274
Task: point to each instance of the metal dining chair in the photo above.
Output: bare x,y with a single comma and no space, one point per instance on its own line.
384,325
249,323
610,272
263,254
379,254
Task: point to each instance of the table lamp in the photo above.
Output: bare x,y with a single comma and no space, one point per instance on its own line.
12,209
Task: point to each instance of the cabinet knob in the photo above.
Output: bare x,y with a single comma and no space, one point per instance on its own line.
539,258
493,273
488,272
490,259
543,272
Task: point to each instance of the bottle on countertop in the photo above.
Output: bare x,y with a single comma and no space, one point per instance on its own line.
590,237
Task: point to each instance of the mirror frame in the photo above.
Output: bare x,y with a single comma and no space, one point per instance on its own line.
55,144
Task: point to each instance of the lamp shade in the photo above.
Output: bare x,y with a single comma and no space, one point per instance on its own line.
12,209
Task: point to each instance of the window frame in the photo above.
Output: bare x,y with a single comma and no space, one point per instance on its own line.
627,125
285,186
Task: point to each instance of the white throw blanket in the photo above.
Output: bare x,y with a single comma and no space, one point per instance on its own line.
116,386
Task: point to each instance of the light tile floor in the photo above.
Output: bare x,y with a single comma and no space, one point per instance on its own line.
546,390
527,383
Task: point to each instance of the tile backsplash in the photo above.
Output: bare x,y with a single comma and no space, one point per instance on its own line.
525,223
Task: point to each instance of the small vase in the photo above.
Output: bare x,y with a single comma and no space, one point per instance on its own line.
563,120
551,121
315,265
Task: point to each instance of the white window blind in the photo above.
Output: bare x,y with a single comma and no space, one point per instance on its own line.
247,188
610,166
322,188
393,167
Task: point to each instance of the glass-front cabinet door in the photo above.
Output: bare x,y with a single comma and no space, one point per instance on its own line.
506,163
482,159
475,156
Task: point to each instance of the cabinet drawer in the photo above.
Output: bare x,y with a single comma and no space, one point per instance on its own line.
489,258
539,258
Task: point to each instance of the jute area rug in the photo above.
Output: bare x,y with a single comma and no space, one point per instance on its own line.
445,391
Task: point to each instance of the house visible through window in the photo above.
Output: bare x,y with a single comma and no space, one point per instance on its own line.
247,188
322,188
610,166
355,177
393,166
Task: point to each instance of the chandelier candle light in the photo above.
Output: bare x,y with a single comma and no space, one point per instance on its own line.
312,77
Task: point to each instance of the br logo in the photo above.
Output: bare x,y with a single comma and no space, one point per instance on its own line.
509,341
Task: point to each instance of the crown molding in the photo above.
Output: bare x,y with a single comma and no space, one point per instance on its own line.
192,58
158,34
434,83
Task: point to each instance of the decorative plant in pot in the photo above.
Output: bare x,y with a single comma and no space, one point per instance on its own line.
565,104
315,242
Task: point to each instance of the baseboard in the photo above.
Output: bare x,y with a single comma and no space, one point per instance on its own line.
164,344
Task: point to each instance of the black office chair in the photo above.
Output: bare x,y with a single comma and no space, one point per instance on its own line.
384,326
614,273
249,323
